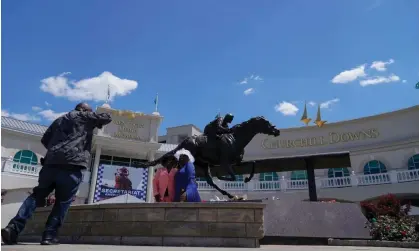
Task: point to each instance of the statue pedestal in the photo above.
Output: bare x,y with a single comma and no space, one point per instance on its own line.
209,224
314,220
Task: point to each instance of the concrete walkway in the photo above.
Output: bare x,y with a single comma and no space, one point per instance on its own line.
37,247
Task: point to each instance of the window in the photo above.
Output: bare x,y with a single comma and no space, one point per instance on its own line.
299,175
136,162
272,176
413,162
374,167
117,161
265,184
120,161
239,178
338,172
26,157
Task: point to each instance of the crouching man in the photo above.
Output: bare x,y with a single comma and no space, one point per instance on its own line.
68,141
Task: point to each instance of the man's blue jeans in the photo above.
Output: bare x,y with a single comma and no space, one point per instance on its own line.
65,181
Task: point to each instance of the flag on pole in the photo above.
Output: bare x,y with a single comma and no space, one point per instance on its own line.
109,94
156,101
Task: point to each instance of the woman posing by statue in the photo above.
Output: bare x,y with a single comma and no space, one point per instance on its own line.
186,188
164,180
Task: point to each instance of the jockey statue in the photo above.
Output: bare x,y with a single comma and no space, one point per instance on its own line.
216,128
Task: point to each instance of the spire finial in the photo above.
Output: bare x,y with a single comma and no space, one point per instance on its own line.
305,118
319,122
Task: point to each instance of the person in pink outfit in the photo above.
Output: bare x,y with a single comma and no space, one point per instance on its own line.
164,181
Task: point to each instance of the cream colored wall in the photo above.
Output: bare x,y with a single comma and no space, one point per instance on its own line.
12,142
400,126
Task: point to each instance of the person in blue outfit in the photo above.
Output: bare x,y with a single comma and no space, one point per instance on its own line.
186,188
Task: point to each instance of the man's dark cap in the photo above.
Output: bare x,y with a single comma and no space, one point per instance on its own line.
83,107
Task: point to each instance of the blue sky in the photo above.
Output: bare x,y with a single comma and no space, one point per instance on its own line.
202,56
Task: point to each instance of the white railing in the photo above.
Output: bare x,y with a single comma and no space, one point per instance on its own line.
234,185
31,170
373,179
204,186
267,185
391,177
394,176
21,168
297,184
408,175
336,182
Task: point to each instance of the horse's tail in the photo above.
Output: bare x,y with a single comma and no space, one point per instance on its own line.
158,161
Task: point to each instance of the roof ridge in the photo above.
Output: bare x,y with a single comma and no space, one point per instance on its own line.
23,126
24,121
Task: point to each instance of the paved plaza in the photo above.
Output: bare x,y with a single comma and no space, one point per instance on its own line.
37,247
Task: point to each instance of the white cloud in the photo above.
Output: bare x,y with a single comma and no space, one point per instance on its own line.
19,116
286,108
312,103
95,88
404,81
36,108
243,82
47,104
381,65
257,78
380,80
349,75
50,114
327,104
252,78
376,4
249,91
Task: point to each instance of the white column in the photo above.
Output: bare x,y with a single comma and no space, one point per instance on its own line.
318,182
393,176
149,196
354,179
283,184
94,174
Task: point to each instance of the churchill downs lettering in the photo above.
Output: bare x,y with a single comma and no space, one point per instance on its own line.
332,138
128,130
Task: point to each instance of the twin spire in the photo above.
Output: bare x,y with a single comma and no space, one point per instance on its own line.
305,119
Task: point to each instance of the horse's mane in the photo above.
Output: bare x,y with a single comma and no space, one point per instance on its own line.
251,120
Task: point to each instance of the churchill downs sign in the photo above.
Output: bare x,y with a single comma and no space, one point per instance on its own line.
332,138
128,130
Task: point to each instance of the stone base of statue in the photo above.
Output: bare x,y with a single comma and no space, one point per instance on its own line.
302,222
207,224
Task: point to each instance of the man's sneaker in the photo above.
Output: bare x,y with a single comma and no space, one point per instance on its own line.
9,236
53,241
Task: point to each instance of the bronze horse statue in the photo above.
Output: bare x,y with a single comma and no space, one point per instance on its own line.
228,150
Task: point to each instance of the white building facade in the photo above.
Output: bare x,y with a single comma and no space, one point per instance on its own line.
384,152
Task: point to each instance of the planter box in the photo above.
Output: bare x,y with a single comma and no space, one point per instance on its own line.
373,243
212,224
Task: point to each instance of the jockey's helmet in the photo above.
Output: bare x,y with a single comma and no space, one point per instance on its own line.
228,118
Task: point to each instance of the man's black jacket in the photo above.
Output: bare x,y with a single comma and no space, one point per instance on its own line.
69,138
